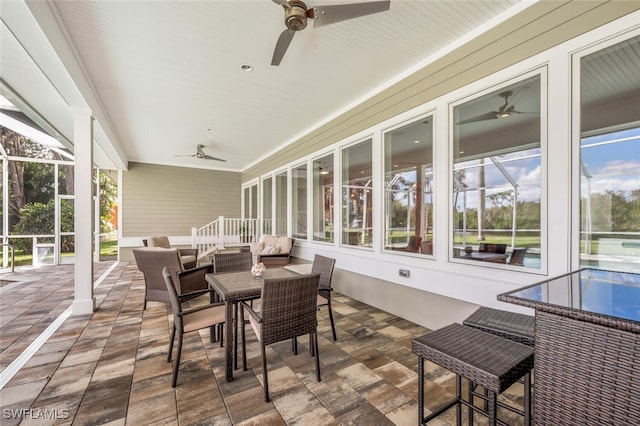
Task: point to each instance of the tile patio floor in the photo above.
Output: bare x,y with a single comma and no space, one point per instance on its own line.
110,367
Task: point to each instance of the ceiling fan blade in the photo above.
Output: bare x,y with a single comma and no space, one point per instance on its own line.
185,155
283,3
281,46
341,12
209,157
482,117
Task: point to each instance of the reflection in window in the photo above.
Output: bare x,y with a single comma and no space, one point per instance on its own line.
281,203
609,157
357,202
299,201
267,203
497,176
323,199
408,167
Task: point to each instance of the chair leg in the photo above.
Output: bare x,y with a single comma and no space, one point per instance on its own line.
264,373
315,346
333,326
244,344
294,345
176,362
221,334
235,337
173,336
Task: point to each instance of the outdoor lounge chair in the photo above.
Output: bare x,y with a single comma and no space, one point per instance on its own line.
188,256
274,251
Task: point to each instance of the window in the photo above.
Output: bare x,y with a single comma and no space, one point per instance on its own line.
496,182
610,157
357,196
299,201
267,202
323,199
281,203
408,184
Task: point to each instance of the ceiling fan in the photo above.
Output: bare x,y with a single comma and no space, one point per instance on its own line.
296,14
506,110
200,154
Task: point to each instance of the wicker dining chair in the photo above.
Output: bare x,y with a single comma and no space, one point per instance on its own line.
232,262
288,310
186,320
151,260
324,266
517,256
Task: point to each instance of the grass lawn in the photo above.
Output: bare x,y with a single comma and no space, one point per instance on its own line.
107,249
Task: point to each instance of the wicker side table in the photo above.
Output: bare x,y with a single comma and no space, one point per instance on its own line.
483,358
510,325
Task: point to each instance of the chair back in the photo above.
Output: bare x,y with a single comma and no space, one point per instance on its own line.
517,257
176,307
162,241
493,248
150,262
324,266
414,244
288,307
232,262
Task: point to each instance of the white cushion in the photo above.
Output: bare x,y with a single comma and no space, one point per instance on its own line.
270,240
284,243
158,242
270,250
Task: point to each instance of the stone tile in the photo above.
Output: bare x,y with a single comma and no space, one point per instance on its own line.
110,367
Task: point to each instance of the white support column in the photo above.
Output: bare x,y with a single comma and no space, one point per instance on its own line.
84,301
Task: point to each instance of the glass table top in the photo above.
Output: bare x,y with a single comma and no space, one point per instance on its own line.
594,291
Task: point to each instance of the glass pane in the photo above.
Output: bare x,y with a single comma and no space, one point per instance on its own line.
281,204
254,201
408,175
299,201
357,203
323,199
496,176
247,202
609,157
65,179
267,203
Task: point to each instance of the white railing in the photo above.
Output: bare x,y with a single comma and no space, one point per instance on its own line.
223,232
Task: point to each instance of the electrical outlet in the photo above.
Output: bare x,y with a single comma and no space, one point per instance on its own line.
404,273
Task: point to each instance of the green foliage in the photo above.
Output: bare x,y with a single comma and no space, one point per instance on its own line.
38,181
39,219
108,196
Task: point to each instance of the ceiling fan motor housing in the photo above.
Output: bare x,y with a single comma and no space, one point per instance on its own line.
295,17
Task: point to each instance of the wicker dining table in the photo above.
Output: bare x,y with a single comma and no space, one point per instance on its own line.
233,287
587,340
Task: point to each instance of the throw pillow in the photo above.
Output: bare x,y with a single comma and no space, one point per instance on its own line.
270,250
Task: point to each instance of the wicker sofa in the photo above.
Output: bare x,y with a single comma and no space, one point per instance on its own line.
274,250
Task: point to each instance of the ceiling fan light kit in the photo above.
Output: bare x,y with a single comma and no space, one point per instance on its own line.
296,14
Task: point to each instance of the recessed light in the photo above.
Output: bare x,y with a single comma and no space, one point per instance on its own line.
247,68
416,141
210,130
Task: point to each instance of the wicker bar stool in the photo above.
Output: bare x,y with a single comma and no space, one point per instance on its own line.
482,358
510,325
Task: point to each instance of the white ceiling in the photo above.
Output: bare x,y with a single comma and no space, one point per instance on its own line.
167,71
